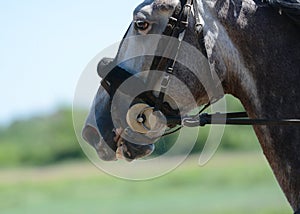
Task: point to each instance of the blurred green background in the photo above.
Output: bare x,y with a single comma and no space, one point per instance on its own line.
43,170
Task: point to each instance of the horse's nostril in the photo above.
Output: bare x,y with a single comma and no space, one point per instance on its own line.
91,135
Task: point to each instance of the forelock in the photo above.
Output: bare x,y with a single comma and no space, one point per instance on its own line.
165,5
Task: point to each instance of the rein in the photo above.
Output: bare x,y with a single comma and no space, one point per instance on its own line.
235,118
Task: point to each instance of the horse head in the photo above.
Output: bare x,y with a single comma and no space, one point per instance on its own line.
138,59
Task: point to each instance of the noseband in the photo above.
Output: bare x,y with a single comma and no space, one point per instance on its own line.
113,76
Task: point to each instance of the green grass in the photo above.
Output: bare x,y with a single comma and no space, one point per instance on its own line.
229,183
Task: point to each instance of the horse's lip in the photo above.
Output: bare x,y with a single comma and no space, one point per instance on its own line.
120,153
119,141
118,132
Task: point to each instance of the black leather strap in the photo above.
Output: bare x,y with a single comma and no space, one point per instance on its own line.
177,24
113,76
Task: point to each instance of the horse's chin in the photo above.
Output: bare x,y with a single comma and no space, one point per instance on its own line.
129,151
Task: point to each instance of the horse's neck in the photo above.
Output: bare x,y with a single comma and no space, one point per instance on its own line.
224,55
249,45
257,54
255,51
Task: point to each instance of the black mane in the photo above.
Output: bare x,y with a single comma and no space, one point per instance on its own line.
290,7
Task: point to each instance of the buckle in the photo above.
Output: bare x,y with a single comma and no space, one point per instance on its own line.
165,81
173,19
185,23
170,70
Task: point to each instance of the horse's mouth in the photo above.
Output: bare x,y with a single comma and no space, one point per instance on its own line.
129,151
118,147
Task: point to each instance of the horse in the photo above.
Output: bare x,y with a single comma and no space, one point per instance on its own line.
252,48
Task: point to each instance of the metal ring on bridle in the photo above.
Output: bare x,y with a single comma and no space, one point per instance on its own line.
141,118
144,117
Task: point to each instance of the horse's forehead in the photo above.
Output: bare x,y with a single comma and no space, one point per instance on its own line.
152,6
163,3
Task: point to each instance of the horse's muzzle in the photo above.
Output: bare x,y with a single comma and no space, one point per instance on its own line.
116,148
104,151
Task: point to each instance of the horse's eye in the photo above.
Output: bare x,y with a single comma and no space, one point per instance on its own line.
141,25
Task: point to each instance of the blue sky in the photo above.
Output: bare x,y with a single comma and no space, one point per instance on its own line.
45,45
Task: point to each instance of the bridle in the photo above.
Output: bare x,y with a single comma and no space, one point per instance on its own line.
114,76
